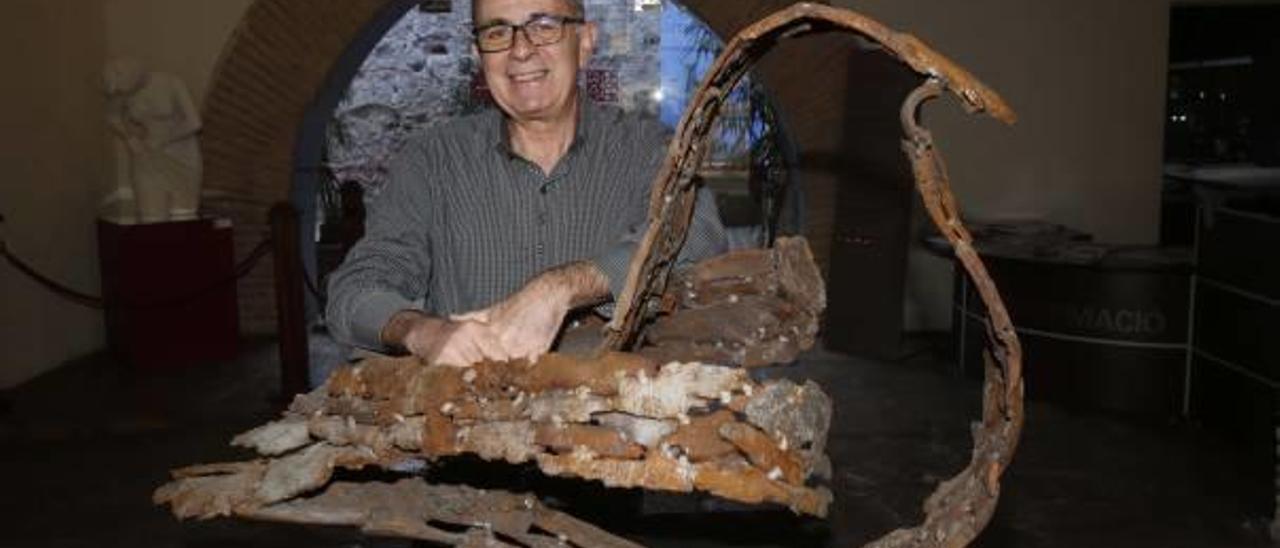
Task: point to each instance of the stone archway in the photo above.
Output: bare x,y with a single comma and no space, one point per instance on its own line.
281,56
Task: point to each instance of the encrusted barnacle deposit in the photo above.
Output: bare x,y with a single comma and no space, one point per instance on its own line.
577,417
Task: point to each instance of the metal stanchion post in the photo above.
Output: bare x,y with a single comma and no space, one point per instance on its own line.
290,300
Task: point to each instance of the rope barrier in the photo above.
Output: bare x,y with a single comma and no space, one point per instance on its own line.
242,269
320,296
83,299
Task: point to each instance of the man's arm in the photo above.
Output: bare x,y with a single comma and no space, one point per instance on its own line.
455,342
525,324
646,147
706,238
521,326
389,267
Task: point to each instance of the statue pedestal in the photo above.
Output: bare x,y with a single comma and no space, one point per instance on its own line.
170,297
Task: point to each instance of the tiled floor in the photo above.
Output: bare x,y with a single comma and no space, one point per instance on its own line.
83,447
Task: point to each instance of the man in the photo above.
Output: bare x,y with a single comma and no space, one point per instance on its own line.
508,220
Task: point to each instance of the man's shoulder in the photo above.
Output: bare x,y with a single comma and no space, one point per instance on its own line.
467,129
612,122
473,123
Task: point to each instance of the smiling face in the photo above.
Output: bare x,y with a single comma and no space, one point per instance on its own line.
535,83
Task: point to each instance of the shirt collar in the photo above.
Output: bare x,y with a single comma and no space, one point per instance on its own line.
500,135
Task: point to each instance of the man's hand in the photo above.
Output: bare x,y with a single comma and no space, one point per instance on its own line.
523,325
459,343
527,322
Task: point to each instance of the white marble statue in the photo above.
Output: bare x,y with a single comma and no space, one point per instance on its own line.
157,156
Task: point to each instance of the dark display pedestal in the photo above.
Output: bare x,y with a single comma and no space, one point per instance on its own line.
170,292
1103,328
1100,339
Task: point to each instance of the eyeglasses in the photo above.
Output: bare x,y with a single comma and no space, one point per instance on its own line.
540,30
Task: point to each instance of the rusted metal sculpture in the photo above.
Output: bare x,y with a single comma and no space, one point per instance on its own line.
619,418
642,410
625,419
405,509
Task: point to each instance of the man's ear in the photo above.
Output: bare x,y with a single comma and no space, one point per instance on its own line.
586,42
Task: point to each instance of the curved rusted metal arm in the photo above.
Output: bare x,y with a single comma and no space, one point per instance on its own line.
962,506
672,197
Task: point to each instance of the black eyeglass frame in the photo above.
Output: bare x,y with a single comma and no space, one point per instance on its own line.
560,20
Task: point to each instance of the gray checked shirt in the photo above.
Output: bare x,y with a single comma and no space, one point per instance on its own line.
464,222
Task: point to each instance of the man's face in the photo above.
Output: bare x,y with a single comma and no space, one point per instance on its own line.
534,82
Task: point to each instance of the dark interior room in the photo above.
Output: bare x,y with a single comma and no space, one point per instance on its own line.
613,273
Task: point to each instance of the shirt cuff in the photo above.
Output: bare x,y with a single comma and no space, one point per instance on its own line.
372,314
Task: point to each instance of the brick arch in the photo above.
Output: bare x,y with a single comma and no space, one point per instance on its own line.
274,65
282,54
